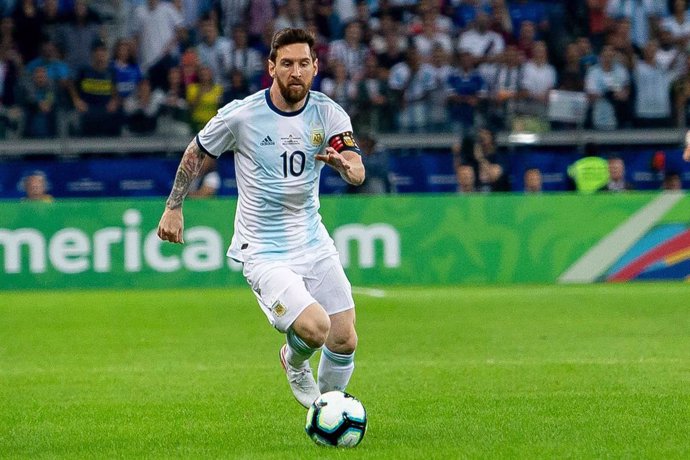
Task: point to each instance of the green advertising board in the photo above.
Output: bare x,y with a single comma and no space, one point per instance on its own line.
385,240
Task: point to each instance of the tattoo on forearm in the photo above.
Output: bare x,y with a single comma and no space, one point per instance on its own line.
190,165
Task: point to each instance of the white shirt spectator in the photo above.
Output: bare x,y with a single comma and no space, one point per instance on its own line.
217,56
639,12
481,44
417,89
538,80
155,29
678,30
598,82
352,57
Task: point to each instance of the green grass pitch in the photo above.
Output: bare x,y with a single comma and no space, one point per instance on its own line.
476,372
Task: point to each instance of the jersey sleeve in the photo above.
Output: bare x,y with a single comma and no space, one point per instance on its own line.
339,132
216,137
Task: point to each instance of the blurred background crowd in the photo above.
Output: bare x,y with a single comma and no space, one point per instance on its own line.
103,68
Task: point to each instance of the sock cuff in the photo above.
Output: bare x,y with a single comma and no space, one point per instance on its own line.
297,344
338,358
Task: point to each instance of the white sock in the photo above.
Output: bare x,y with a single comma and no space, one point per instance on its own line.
335,370
297,351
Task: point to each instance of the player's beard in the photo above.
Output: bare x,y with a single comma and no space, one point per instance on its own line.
292,94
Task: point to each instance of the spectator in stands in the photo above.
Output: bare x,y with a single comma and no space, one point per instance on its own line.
678,23
483,43
58,71
653,89
350,50
504,91
53,20
587,56
529,10
95,97
571,77
597,22
672,182
619,39
175,110
28,25
246,59
290,15
36,187
412,82
466,89
39,98
608,87
125,69
238,88
10,113
617,182
204,98
465,14
526,39
208,181
538,78
340,88
215,51
481,153
373,98
640,13
143,107
388,43
440,63
466,178
532,180
158,28
261,14
75,37
429,37
501,23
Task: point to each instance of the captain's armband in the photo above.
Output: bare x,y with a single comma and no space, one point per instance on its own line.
343,141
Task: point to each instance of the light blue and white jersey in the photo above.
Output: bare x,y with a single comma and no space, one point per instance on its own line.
277,175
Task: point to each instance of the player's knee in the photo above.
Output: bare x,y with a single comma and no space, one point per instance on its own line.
344,343
314,328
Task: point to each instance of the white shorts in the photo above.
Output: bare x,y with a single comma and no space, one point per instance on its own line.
284,288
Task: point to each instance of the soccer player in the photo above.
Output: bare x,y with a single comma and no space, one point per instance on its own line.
281,138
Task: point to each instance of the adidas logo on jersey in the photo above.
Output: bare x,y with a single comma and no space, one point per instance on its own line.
267,141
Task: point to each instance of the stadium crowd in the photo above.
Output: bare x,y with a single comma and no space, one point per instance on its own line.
101,68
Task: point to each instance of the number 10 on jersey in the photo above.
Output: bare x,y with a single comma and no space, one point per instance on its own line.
293,163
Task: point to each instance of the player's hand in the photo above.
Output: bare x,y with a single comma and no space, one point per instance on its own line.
334,159
686,153
171,225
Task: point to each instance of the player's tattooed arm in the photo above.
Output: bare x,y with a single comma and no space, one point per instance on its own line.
189,168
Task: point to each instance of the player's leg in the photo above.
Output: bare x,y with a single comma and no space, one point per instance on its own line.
307,334
330,287
291,309
338,356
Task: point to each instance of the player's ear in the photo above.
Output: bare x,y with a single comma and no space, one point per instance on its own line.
316,66
271,68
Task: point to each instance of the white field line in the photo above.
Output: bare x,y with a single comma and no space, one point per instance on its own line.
369,291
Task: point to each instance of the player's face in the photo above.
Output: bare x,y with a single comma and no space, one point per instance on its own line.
293,71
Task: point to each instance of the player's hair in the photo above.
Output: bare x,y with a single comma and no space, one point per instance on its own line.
289,36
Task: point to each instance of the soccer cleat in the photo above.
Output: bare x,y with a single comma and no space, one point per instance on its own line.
301,380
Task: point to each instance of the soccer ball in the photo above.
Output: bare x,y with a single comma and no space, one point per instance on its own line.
336,419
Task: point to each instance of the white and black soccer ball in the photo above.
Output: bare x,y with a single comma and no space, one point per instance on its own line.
336,419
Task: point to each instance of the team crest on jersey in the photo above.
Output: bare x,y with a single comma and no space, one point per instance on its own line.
278,308
317,135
